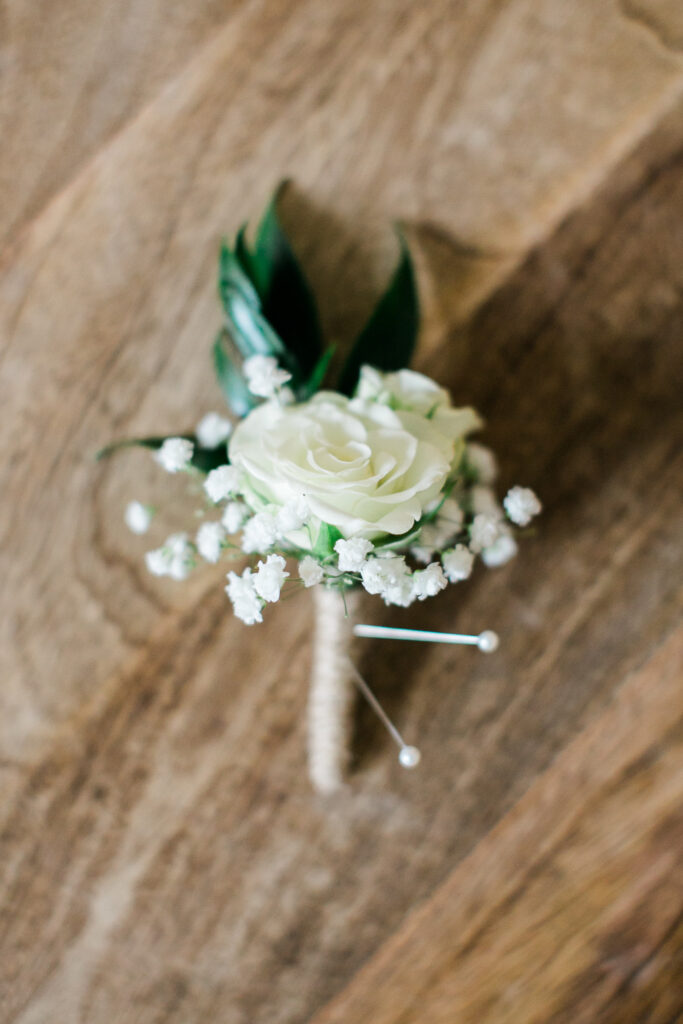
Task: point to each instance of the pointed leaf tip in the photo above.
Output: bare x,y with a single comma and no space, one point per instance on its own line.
288,302
388,339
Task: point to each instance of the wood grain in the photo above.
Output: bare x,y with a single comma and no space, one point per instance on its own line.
161,856
107,295
571,908
73,75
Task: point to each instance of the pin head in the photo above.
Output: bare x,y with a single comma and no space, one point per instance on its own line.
488,641
409,756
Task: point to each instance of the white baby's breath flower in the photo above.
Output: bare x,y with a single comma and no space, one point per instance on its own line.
483,462
500,552
182,555
174,558
372,575
234,515
310,571
399,592
451,513
260,532
457,563
175,454
270,577
484,500
212,430
177,543
428,582
390,578
286,396
245,601
209,540
421,554
158,562
484,532
138,517
437,535
352,553
293,515
264,376
521,505
221,482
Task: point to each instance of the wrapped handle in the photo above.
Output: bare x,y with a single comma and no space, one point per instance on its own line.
332,691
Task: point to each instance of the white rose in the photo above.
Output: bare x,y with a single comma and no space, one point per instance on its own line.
414,392
362,467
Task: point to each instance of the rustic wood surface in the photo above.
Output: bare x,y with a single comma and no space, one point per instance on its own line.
161,856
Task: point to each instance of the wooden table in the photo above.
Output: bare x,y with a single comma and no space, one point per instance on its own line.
162,858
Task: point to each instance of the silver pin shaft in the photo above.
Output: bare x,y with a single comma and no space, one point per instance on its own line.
408,756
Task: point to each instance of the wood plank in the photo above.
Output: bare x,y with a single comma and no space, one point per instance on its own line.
161,855
571,908
165,860
106,297
71,76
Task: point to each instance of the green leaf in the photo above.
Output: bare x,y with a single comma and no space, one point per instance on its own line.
245,323
134,442
319,370
230,379
325,541
242,254
388,339
206,459
391,543
251,333
288,302
233,279
203,459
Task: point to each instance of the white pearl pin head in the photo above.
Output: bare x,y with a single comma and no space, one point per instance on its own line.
409,757
488,641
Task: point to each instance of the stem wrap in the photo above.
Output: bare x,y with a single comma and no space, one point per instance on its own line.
332,690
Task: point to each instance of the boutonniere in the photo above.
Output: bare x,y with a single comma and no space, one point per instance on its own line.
364,479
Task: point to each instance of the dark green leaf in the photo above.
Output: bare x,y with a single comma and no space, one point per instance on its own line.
325,541
135,442
206,459
203,459
390,543
314,382
230,379
288,302
388,339
245,323
251,332
233,279
243,255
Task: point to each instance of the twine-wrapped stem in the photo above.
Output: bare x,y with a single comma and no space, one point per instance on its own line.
332,690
